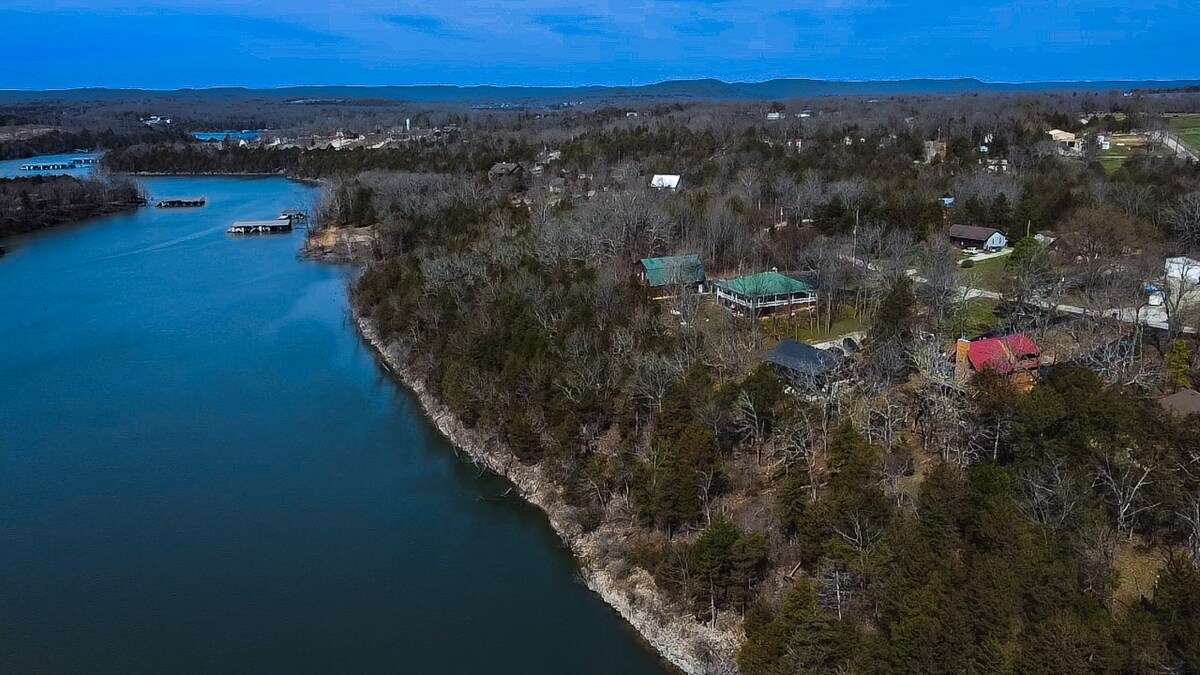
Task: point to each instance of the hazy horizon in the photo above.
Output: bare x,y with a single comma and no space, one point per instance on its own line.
585,85
156,44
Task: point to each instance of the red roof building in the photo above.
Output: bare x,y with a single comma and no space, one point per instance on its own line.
1005,355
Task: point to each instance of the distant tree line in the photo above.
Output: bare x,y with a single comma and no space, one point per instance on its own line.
198,158
61,141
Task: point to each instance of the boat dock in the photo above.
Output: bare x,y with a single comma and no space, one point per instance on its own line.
75,163
260,226
48,166
181,202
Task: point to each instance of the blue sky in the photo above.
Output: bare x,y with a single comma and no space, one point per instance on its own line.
180,43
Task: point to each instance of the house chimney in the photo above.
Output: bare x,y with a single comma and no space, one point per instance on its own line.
962,367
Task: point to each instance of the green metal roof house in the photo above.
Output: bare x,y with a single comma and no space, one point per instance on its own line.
672,271
765,293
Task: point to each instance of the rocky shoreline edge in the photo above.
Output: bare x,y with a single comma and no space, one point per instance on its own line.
692,647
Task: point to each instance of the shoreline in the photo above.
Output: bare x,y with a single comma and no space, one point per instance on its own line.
690,646
111,209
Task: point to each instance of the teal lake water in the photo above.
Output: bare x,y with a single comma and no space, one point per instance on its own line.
203,470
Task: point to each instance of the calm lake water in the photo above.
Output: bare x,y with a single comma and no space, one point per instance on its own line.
202,469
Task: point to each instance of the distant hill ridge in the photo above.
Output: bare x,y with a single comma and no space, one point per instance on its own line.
780,88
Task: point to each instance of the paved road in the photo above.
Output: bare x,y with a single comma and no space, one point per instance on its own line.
1171,142
1147,315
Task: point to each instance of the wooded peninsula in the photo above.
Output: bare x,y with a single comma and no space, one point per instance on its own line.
835,385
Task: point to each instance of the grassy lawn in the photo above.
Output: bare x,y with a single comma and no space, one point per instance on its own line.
800,327
1113,158
1187,127
989,273
980,317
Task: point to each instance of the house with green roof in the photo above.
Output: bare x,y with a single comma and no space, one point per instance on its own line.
765,293
669,273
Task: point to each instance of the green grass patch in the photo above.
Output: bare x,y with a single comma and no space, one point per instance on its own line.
989,273
1187,128
974,319
1112,159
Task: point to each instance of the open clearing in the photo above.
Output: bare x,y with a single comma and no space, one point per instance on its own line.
1187,128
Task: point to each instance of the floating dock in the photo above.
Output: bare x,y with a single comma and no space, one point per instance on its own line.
260,226
48,166
181,202
75,163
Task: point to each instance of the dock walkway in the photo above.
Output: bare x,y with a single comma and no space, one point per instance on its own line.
260,226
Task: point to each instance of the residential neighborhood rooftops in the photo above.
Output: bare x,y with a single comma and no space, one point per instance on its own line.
1003,354
766,283
1183,402
801,358
676,269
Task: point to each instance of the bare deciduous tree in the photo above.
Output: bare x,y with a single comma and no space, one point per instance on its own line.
1184,219
1052,494
1123,483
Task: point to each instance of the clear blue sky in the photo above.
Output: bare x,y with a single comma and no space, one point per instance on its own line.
178,43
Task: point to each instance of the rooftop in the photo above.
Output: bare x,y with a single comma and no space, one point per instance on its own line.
1183,402
971,232
668,181
678,269
1002,354
801,358
766,283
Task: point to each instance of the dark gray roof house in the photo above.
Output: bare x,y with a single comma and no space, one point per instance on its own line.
974,235
1183,402
801,359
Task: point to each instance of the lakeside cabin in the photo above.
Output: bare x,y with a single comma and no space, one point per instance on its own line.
664,276
260,226
765,293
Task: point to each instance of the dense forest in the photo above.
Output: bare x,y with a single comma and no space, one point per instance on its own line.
28,204
895,522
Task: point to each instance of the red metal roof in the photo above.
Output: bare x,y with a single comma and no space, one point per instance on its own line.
1003,354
